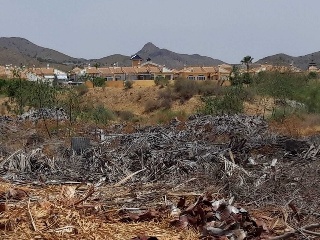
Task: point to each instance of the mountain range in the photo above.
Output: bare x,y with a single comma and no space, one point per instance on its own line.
17,51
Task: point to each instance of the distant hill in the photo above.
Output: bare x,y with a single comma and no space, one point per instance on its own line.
119,59
175,60
301,62
16,51
13,56
34,51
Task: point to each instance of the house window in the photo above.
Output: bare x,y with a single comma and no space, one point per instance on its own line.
201,77
191,77
118,77
109,78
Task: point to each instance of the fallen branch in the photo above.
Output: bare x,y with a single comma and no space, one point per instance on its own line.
66,229
31,218
304,229
311,232
9,158
128,177
90,192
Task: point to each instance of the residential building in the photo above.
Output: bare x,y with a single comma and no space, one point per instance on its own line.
199,73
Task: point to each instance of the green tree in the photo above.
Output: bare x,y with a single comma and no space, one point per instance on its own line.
98,82
246,78
96,65
235,77
247,60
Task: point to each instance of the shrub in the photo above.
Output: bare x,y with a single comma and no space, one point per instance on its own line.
102,115
161,81
151,105
230,102
128,84
3,84
165,98
209,87
98,82
185,89
235,77
312,75
312,98
125,115
81,89
246,78
165,116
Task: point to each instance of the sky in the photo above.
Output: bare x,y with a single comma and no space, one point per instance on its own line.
226,29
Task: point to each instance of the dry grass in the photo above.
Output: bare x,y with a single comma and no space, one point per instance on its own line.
297,125
55,218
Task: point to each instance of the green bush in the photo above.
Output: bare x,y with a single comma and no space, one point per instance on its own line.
287,86
208,88
98,82
151,105
310,96
165,98
30,94
185,89
128,84
102,115
3,84
161,81
165,116
231,102
81,89
312,75
126,115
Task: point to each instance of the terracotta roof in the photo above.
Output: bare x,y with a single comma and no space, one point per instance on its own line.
210,69
193,70
105,71
92,70
47,71
149,64
224,71
152,69
76,70
42,71
142,69
226,66
128,70
116,70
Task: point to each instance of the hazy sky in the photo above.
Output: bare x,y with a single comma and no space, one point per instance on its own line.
225,29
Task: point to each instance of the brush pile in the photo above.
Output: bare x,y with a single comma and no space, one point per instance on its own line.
235,155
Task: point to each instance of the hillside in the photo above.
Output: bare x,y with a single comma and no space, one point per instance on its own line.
122,60
175,60
284,59
31,50
13,56
18,51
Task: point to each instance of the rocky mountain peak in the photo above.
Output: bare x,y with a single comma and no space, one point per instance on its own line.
149,48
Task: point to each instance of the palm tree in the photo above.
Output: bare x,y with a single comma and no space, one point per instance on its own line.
247,60
96,65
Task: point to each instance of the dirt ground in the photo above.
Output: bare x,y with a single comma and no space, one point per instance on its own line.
135,99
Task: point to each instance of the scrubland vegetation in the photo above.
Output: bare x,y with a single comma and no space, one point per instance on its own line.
291,94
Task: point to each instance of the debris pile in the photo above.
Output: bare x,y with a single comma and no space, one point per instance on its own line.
236,155
238,151
44,113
